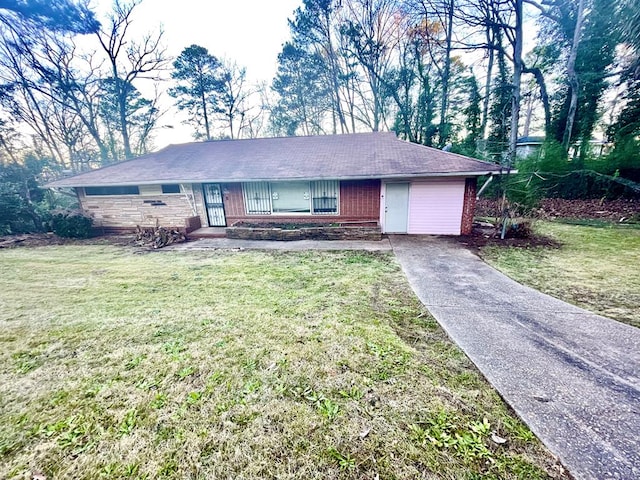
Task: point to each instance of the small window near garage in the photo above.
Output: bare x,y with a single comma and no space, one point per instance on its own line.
113,190
171,188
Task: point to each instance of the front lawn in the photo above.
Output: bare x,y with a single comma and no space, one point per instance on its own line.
595,267
238,365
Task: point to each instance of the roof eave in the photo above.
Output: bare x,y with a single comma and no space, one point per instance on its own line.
471,173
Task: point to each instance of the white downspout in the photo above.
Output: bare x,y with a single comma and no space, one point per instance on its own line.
485,185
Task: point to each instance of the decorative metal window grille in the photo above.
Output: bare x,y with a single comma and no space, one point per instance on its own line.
324,195
257,198
260,197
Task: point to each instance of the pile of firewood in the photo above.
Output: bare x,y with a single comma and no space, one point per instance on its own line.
158,237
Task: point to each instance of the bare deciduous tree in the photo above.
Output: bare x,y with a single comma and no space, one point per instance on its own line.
129,60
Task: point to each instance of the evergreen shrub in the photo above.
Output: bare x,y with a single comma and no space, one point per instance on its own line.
71,225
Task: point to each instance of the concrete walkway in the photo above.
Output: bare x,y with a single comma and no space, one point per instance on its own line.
298,245
572,376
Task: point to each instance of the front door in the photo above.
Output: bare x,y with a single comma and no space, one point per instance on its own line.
396,207
213,203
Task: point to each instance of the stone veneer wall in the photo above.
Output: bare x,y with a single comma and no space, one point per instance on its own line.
198,196
469,205
305,233
125,212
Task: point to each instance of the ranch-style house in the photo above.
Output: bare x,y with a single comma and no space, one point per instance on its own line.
371,179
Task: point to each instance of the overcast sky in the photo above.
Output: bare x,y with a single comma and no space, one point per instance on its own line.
249,32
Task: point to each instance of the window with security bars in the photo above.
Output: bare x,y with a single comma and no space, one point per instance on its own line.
299,198
324,197
257,198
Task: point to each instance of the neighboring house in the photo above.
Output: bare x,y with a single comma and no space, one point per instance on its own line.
365,178
527,146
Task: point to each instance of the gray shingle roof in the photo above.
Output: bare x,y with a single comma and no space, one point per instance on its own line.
353,156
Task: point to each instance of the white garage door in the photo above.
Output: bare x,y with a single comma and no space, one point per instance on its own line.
435,206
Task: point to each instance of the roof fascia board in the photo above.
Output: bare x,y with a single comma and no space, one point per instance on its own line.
280,179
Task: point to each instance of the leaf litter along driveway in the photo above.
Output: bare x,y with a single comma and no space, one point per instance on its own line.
222,364
571,375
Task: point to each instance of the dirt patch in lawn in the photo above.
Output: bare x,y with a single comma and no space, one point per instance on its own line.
46,239
481,237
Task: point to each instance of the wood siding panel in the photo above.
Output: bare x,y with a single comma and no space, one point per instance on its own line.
435,206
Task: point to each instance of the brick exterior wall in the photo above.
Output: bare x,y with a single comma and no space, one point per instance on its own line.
469,206
233,201
359,202
360,198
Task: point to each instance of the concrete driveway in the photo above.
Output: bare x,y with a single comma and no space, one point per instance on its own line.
571,375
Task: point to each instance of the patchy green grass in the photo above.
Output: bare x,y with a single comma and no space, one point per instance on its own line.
596,267
238,365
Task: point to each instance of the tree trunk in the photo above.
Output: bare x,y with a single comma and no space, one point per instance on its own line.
231,124
515,103
573,77
487,85
42,126
334,80
544,96
122,111
487,96
527,119
7,148
205,115
517,75
444,128
376,104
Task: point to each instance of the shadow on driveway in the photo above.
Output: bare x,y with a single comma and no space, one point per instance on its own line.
571,375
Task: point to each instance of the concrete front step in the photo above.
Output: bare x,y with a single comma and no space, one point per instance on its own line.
209,232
